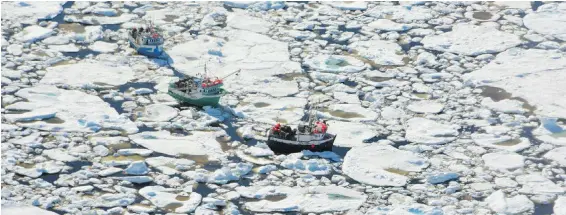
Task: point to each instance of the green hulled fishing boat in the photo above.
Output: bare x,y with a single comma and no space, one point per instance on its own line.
199,91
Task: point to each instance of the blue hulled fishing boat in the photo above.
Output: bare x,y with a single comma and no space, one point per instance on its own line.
146,41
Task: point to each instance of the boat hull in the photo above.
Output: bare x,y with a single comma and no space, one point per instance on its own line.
288,148
203,101
147,50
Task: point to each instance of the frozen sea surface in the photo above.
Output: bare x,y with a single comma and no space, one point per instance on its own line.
438,108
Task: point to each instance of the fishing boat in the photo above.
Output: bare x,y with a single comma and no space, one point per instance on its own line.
311,135
146,41
199,91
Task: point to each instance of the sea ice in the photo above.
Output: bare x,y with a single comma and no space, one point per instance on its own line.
405,209
504,106
30,12
77,110
503,160
535,183
388,25
535,75
381,165
558,155
89,74
472,40
501,142
560,206
426,131
157,113
350,134
103,47
335,63
198,143
311,166
401,13
163,197
348,5
425,106
33,33
137,168
239,20
515,205
548,19
380,52
314,199
21,210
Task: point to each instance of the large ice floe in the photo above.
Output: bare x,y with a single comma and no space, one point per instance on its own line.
472,40
402,13
314,199
197,143
382,165
89,74
535,75
270,110
548,19
19,210
30,12
350,134
426,131
74,111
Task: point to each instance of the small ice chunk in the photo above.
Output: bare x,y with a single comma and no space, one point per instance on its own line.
311,166
335,63
505,105
158,113
388,25
59,154
137,168
442,177
425,106
163,198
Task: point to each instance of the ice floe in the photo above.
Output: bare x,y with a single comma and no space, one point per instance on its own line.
198,143
33,33
166,198
77,110
515,205
18,210
425,106
548,19
558,155
335,63
403,13
380,52
535,183
350,134
534,75
381,165
314,199
426,131
503,160
103,47
89,74
472,40
30,12
560,205
157,113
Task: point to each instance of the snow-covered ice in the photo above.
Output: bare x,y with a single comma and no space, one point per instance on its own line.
472,40
381,165
335,64
548,19
380,52
534,75
426,131
89,74
198,143
350,134
503,160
